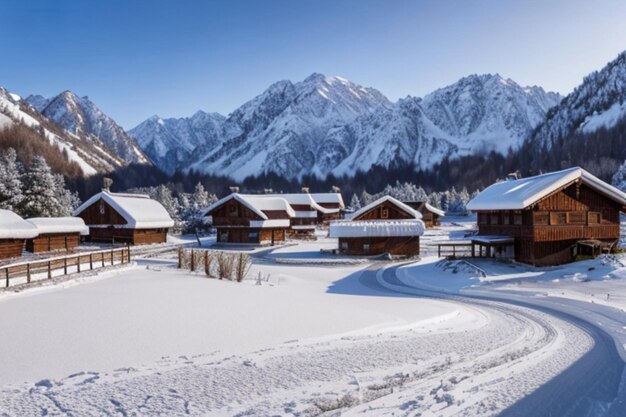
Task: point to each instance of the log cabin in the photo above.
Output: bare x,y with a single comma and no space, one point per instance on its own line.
251,219
330,206
430,214
384,226
13,234
306,210
125,218
56,233
548,219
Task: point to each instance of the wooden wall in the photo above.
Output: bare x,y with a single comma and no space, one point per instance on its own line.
250,235
132,236
53,241
384,211
546,232
400,245
11,248
92,214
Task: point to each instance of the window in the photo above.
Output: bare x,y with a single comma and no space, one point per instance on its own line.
344,245
253,235
506,218
224,236
541,218
576,217
518,219
483,218
102,208
232,210
594,217
493,218
366,247
384,213
557,218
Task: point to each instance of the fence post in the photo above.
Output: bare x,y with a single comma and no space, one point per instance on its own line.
91,261
180,258
49,269
111,256
78,263
193,266
28,272
6,270
64,266
206,262
102,258
128,249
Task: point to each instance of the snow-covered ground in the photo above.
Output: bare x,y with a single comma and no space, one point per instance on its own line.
149,339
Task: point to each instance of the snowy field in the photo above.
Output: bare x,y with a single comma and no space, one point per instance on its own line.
313,339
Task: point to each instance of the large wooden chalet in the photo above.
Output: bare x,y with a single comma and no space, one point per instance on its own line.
56,233
247,218
13,234
125,218
384,226
430,214
548,219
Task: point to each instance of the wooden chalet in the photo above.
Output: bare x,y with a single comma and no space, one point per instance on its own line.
126,218
305,218
13,234
254,219
548,219
430,214
384,226
56,233
329,207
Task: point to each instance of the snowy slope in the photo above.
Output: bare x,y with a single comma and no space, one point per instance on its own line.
487,112
326,125
597,102
82,118
15,110
169,142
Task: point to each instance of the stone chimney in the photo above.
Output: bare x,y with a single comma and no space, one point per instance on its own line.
512,176
268,191
106,184
305,190
336,189
234,189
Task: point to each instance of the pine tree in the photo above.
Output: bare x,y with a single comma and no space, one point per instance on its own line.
11,173
40,195
355,203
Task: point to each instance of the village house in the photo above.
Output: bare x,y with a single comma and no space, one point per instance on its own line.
13,234
430,214
247,218
56,233
329,207
126,218
384,226
548,219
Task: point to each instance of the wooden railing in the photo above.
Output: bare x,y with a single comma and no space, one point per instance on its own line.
41,269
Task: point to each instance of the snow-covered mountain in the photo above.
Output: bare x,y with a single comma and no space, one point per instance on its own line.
170,142
82,118
488,112
326,125
92,157
597,102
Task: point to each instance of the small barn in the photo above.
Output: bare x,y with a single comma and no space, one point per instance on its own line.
13,234
247,218
548,219
384,226
125,218
56,233
430,214
329,207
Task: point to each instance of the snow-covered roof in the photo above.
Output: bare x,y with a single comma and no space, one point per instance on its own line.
434,209
13,226
519,194
376,228
257,203
139,210
303,199
269,223
328,198
411,211
59,225
490,240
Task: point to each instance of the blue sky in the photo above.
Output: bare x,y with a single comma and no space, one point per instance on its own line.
139,58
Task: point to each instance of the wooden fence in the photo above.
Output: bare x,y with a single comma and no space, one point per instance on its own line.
40,269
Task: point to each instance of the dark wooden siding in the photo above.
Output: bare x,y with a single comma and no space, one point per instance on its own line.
249,235
384,211
53,241
11,248
409,245
550,229
132,236
93,215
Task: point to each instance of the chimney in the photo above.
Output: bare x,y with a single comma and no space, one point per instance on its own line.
268,191
305,190
234,189
106,184
336,189
512,176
